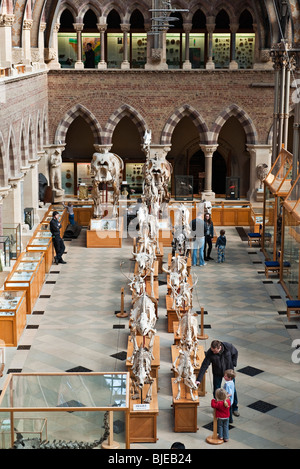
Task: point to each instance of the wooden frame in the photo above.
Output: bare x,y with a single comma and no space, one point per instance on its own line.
11,327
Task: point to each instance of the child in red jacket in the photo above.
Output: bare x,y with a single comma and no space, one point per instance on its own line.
222,405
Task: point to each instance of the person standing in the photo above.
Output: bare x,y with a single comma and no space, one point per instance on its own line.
70,210
89,56
209,234
222,405
58,243
198,239
229,386
222,356
221,245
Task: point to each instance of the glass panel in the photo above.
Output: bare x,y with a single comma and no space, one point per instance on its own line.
27,265
4,252
67,49
134,176
31,256
245,45
221,50
270,207
67,178
138,50
13,231
197,48
114,50
291,253
173,50
9,300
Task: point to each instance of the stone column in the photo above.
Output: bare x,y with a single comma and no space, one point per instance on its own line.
27,24
208,151
125,65
53,51
210,26
6,22
258,154
102,65
78,28
187,29
31,187
42,45
233,63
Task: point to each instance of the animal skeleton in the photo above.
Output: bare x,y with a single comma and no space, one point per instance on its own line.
142,320
141,369
188,329
185,373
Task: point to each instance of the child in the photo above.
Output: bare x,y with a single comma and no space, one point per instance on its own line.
220,245
229,386
222,405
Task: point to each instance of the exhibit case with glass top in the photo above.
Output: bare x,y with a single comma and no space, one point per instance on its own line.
89,409
42,242
12,316
28,275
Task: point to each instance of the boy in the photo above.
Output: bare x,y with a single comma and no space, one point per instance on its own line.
220,245
229,386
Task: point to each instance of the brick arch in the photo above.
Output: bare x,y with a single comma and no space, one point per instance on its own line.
23,145
70,116
114,119
13,155
184,111
244,119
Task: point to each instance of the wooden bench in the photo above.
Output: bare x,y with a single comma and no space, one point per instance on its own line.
274,267
292,305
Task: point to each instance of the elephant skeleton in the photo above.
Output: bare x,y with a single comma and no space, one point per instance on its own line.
185,373
142,320
141,371
106,168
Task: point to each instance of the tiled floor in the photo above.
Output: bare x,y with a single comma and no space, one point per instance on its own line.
74,325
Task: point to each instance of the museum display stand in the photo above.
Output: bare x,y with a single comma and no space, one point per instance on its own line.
83,213
143,418
165,233
12,316
105,233
185,409
42,242
28,275
93,405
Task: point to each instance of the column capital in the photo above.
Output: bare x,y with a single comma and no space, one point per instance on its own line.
7,20
234,27
27,24
187,27
209,150
43,27
101,27
78,26
125,27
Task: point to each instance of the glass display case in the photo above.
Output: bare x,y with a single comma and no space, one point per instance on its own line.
138,50
29,217
183,187
44,244
135,177
232,188
12,316
13,231
291,253
5,252
175,44
78,407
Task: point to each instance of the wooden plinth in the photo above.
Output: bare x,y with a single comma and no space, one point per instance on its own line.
103,239
185,409
155,288
160,257
143,424
165,237
200,358
155,363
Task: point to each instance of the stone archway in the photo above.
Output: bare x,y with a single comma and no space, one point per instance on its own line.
122,111
184,111
70,116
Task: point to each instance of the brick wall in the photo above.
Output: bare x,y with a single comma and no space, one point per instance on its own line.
157,95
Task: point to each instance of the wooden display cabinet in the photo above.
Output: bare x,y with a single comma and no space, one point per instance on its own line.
12,316
40,242
28,276
104,238
83,213
185,409
143,423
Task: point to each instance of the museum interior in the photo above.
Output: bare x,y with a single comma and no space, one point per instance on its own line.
126,124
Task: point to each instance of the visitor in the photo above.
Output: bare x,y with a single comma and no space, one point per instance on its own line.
58,243
70,209
198,239
229,386
209,234
89,56
222,356
178,445
221,245
222,405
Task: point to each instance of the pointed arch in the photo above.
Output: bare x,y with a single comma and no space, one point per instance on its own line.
13,154
23,145
122,111
244,119
70,116
31,141
184,111
3,164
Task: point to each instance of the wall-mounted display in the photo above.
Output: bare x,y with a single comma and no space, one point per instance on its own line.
135,177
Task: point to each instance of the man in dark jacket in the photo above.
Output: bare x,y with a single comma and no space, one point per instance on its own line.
58,243
222,356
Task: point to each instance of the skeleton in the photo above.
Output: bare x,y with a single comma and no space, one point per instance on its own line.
142,320
181,232
96,196
178,266
188,328
106,168
145,262
182,296
141,369
157,171
136,284
185,373
35,443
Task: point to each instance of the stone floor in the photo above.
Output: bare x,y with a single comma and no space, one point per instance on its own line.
74,325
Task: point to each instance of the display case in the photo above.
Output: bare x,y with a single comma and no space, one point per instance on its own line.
232,188
28,276
80,408
12,316
29,217
105,233
135,177
44,244
5,252
13,231
184,188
